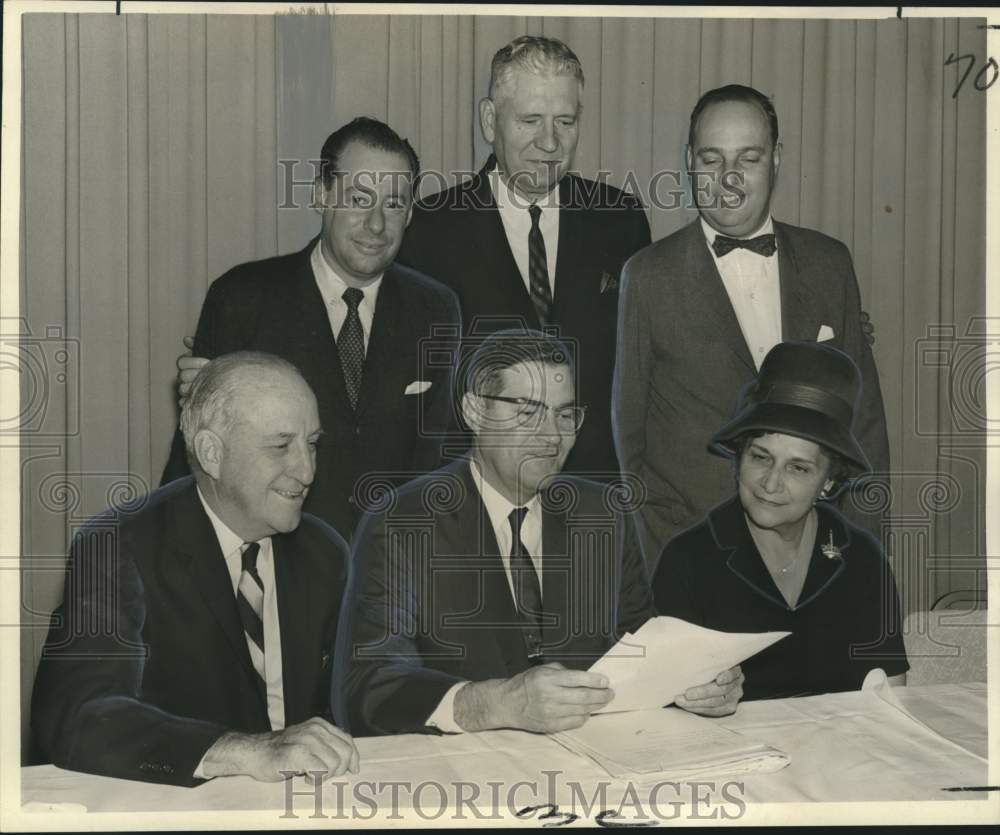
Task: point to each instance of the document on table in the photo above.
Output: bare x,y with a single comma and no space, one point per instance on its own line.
666,656
668,742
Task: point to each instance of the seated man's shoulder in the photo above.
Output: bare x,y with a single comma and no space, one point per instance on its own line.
574,494
432,494
148,516
321,537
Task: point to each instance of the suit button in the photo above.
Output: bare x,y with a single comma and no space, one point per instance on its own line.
168,769
144,766
351,501
357,431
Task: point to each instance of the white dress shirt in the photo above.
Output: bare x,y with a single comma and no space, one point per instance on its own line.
332,286
751,280
517,224
498,508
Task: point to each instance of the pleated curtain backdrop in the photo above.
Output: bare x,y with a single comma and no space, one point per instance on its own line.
151,165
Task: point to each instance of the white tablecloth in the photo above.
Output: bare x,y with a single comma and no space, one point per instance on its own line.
843,747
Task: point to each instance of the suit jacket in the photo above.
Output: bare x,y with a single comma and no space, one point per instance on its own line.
274,305
429,603
845,623
146,664
683,361
458,237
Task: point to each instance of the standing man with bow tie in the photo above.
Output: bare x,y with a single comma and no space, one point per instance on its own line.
526,243
702,307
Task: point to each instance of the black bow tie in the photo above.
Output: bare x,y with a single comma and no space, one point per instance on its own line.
762,245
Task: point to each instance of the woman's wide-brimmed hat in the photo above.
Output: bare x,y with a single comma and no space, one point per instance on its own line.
806,389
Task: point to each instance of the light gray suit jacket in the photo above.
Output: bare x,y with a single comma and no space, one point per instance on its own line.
682,362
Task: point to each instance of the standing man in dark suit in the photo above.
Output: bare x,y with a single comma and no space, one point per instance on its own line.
702,307
359,327
526,243
197,630
484,591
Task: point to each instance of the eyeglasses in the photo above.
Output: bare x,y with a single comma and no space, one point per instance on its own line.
531,413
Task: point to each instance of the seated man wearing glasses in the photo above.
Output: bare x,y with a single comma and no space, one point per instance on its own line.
483,591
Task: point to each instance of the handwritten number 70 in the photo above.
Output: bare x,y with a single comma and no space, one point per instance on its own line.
979,81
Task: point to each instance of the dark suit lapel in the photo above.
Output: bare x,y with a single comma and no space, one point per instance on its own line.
496,257
295,593
557,573
387,323
200,556
574,258
714,300
800,314
474,530
314,337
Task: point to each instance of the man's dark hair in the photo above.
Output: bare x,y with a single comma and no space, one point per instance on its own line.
507,348
367,131
735,92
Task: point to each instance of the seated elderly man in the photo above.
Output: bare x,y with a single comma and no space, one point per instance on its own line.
483,591
197,630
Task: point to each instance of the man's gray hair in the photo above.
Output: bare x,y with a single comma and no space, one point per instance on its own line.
211,402
534,54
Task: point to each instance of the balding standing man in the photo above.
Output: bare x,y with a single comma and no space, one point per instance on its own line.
702,307
527,243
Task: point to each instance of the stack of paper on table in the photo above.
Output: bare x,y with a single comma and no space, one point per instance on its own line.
670,743
666,656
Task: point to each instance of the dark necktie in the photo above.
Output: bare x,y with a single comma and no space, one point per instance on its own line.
351,344
762,245
538,268
527,591
250,603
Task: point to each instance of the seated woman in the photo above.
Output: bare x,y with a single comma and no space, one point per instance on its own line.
776,556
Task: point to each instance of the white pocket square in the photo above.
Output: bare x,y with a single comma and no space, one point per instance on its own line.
825,333
418,387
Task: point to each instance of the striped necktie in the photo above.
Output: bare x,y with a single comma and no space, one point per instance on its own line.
250,602
538,268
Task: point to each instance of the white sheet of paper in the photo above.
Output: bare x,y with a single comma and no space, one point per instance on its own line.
667,655
668,741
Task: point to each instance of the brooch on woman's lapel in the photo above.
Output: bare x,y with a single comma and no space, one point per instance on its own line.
830,551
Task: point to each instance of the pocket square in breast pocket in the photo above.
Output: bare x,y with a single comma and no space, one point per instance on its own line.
825,333
418,387
609,283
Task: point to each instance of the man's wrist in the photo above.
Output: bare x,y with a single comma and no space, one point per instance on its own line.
228,755
479,706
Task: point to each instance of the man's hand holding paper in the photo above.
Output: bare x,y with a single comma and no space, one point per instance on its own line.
671,661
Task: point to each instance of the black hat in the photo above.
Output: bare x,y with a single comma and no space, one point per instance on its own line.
806,389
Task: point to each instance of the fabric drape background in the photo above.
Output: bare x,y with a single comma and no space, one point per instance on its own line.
151,164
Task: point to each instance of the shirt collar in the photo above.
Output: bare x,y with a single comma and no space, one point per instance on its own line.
508,200
766,228
229,540
497,505
331,285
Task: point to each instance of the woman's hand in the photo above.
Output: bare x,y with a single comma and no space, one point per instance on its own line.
717,698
